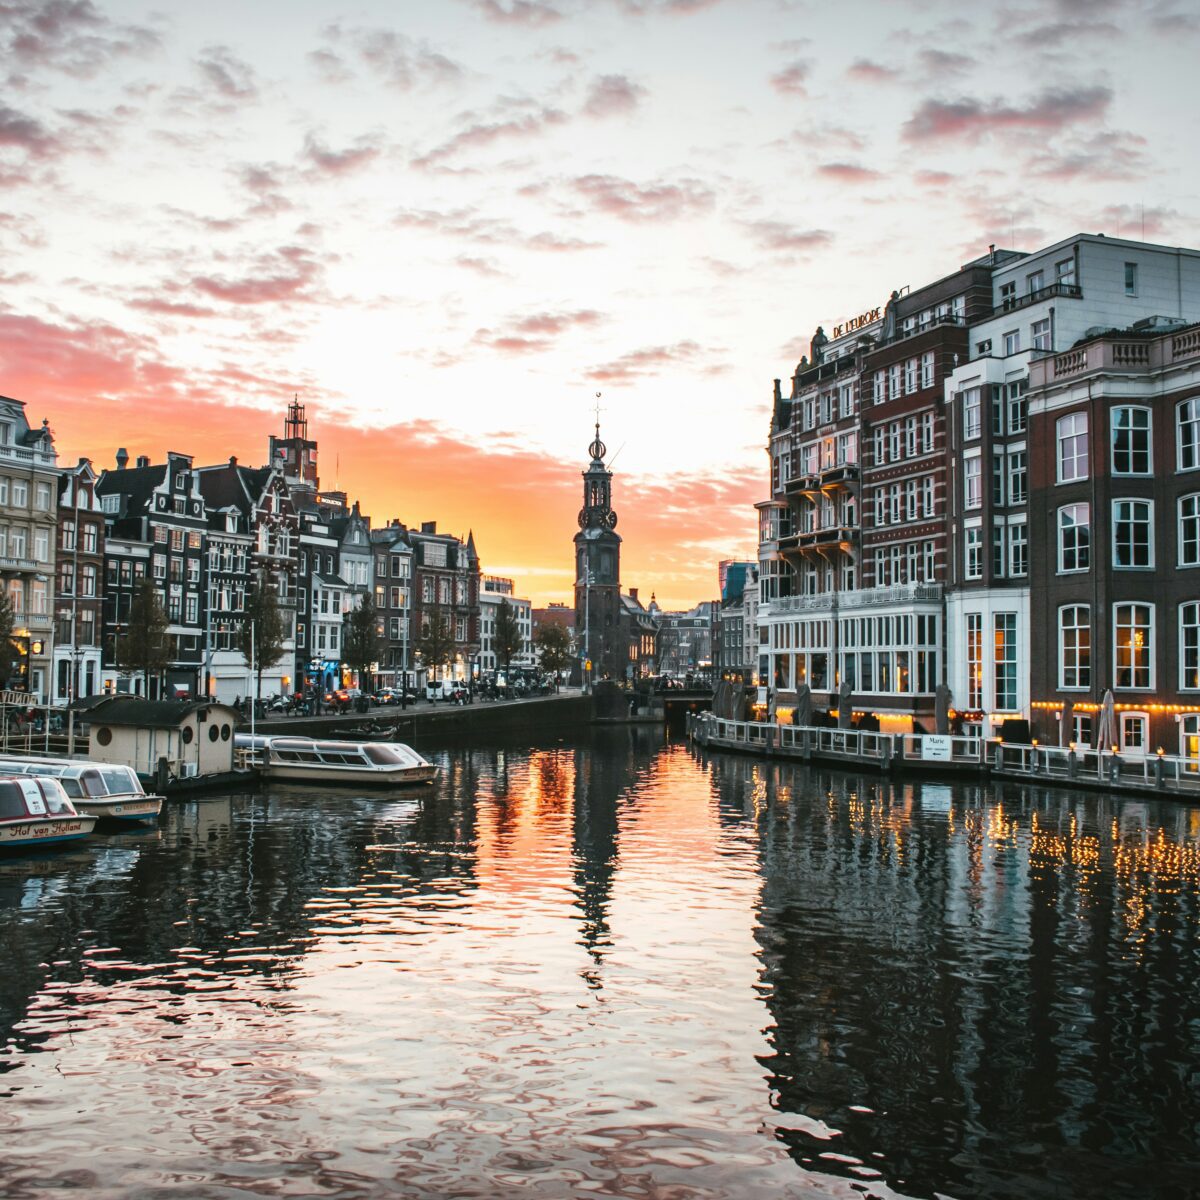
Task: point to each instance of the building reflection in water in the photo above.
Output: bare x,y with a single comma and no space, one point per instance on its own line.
964,982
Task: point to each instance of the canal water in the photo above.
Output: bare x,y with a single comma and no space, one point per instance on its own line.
611,968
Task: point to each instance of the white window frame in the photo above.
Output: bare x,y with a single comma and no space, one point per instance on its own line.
1062,568
1150,649
1191,406
1060,437
1189,609
1181,560
1148,506
1149,435
1077,686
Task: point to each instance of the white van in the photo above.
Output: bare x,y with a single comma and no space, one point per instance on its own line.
443,689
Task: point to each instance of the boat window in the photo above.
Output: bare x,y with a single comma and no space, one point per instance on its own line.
56,802
72,787
117,780
383,756
12,800
93,785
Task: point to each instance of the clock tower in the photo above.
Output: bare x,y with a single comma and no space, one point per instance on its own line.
598,571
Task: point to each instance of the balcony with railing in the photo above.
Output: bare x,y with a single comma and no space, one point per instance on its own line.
26,456
1067,291
1118,353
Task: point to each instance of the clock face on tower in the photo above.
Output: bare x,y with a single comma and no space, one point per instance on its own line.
583,518
610,519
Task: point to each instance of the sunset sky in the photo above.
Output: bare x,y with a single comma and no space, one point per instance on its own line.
447,225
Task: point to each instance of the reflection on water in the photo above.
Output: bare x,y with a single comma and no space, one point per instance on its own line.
610,969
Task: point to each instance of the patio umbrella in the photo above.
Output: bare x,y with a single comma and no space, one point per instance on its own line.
1106,726
845,705
941,709
803,711
1066,723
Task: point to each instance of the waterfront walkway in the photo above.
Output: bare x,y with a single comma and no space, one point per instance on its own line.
1161,774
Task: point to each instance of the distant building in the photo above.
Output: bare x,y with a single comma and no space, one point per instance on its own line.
79,588
446,582
495,589
601,620
28,503
686,640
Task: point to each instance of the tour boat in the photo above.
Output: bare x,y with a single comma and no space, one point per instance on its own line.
306,760
37,812
107,791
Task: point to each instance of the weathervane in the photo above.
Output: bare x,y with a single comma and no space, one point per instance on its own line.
598,449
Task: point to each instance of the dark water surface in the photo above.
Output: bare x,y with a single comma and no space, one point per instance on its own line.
611,969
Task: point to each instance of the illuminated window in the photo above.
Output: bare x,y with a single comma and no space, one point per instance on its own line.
1005,659
974,660
1133,637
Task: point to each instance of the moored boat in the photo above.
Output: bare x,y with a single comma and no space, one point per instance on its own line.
110,792
37,812
307,760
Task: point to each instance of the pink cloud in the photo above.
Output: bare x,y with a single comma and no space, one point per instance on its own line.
611,95
791,79
287,274
393,58
23,132
538,331
842,172
531,13
649,202
969,119
872,72
327,162
485,133
650,360
777,235
228,75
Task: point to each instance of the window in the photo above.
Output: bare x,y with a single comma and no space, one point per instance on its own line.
89,537
1131,441
911,368
1187,424
1189,531
1016,477
88,581
973,558
1008,294
972,482
41,545
1018,550
1072,447
1075,646
927,369
894,382
1017,405
1074,537
926,433
20,493
1132,547
974,660
1133,633
1005,659
1036,281
43,497
1065,271
1131,279
984,347
1189,646
1012,342
1039,333
971,412
66,580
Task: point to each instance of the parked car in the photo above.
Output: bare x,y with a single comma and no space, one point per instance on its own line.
386,696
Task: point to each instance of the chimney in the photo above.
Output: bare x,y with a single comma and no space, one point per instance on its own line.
122,458
633,594
429,527
143,460
233,460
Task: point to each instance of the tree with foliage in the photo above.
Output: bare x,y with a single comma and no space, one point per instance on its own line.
555,652
360,638
506,638
145,646
436,643
263,633
8,649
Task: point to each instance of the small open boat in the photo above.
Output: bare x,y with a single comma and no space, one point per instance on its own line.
37,812
306,760
108,791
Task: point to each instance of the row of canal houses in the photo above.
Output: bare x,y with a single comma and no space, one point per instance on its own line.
76,544
992,482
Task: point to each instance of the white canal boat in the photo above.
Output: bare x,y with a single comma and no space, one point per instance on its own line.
110,792
307,760
37,812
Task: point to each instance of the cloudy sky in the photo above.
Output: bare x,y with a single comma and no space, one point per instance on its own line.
447,225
